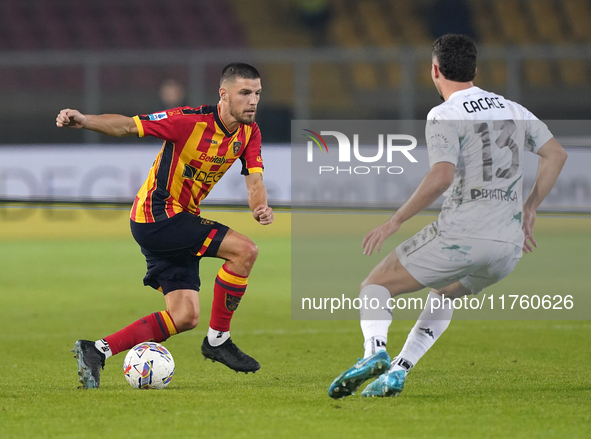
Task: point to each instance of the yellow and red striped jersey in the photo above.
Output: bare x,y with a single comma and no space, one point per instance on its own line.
198,149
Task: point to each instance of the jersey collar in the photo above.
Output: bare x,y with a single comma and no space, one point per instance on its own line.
466,91
221,124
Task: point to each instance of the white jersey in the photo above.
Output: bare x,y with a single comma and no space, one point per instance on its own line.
484,135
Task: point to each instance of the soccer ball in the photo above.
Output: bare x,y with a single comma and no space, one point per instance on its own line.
148,365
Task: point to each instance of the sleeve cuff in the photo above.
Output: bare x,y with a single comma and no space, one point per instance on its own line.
140,127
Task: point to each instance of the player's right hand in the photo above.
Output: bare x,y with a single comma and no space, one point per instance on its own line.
70,118
377,236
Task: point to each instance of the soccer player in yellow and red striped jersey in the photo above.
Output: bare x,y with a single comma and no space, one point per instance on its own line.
198,150
200,145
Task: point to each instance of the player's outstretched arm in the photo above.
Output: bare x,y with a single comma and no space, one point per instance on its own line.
257,199
109,124
552,159
433,185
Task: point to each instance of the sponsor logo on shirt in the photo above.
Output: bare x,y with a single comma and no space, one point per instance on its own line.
195,174
215,159
158,116
493,194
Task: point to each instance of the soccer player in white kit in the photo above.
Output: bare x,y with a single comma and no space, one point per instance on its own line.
476,142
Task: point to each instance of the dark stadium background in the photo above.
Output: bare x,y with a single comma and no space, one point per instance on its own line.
69,267
320,59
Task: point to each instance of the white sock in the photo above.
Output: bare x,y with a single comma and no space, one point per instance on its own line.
103,347
216,338
375,322
429,327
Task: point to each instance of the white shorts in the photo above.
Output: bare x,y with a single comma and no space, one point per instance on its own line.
436,259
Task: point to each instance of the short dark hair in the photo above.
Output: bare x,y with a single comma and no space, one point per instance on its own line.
457,57
239,70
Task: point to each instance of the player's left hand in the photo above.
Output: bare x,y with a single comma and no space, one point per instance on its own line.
377,236
263,214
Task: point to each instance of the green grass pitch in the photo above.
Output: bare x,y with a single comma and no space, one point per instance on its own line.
66,275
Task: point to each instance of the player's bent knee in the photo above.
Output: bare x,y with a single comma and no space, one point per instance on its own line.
183,307
373,280
238,248
252,251
249,251
186,322
369,280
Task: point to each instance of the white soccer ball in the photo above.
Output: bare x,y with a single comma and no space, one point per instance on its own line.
148,365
